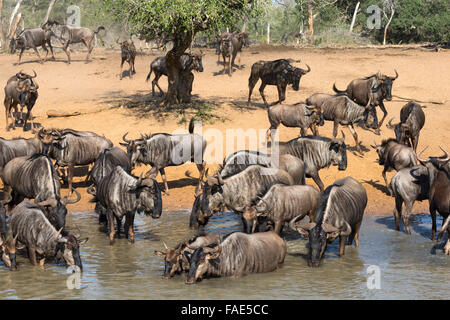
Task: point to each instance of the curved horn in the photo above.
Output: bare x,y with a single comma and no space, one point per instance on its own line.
293,221
35,75
91,190
219,178
389,125
396,75
124,139
447,157
343,135
67,201
165,245
418,155
59,232
49,202
309,68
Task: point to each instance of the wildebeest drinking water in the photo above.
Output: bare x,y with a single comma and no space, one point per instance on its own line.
278,73
339,214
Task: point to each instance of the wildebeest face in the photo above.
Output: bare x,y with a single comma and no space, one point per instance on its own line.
338,151
8,250
172,262
209,204
57,215
149,195
371,118
199,262
71,250
386,89
317,245
198,219
197,62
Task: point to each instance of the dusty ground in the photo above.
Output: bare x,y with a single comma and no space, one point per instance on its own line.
117,106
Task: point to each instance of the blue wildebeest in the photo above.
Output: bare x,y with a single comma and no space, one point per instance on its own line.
188,62
297,115
445,229
162,150
339,214
107,160
278,73
72,148
128,54
7,245
239,190
32,39
412,120
394,156
240,160
343,111
123,195
370,90
23,91
409,185
83,35
34,177
317,153
439,195
230,44
17,147
281,204
237,255
175,260
32,229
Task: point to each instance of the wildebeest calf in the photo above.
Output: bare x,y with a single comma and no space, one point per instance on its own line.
128,54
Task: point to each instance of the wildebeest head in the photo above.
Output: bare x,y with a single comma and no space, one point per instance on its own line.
197,63
316,114
319,234
243,38
200,260
252,214
212,186
46,138
70,249
293,75
433,164
382,149
135,148
385,85
56,209
402,131
338,151
198,219
148,196
8,251
173,260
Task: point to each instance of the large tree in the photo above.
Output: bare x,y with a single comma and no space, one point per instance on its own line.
178,21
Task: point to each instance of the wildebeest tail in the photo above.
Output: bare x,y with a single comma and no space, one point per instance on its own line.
99,28
336,90
149,74
191,125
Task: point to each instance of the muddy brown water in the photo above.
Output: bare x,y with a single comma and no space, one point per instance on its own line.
409,266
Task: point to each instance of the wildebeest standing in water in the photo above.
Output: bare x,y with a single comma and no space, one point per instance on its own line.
128,54
409,185
72,148
230,44
339,214
162,150
106,162
237,255
439,195
412,120
83,35
394,156
281,204
42,240
7,244
32,39
23,91
123,195
298,115
317,153
343,111
176,259
278,73
188,62
34,177
371,90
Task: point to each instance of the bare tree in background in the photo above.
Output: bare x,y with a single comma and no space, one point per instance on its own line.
13,16
388,6
49,10
2,34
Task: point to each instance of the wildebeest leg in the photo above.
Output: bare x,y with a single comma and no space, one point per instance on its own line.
20,55
316,178
281,95
224,63
261,91
302,132
155,82
356,234
398,212
37,52
251,84
405,217
131,69
46,51
30,117
201,172
230,65
152,172
355,136
70,177
90,47
433,219
129,222
342,240
278,227
389,191
314,129
112,231
67,51
7,103
119,226
335,128
163,176
415,142
32,255
121,66
383,108
51,49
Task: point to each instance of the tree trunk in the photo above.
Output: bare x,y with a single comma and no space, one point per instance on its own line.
13,14
354,16
387,26
49,10
3,44
15,25
310,21
174,69
185,86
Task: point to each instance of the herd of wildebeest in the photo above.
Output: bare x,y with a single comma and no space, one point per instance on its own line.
267,192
